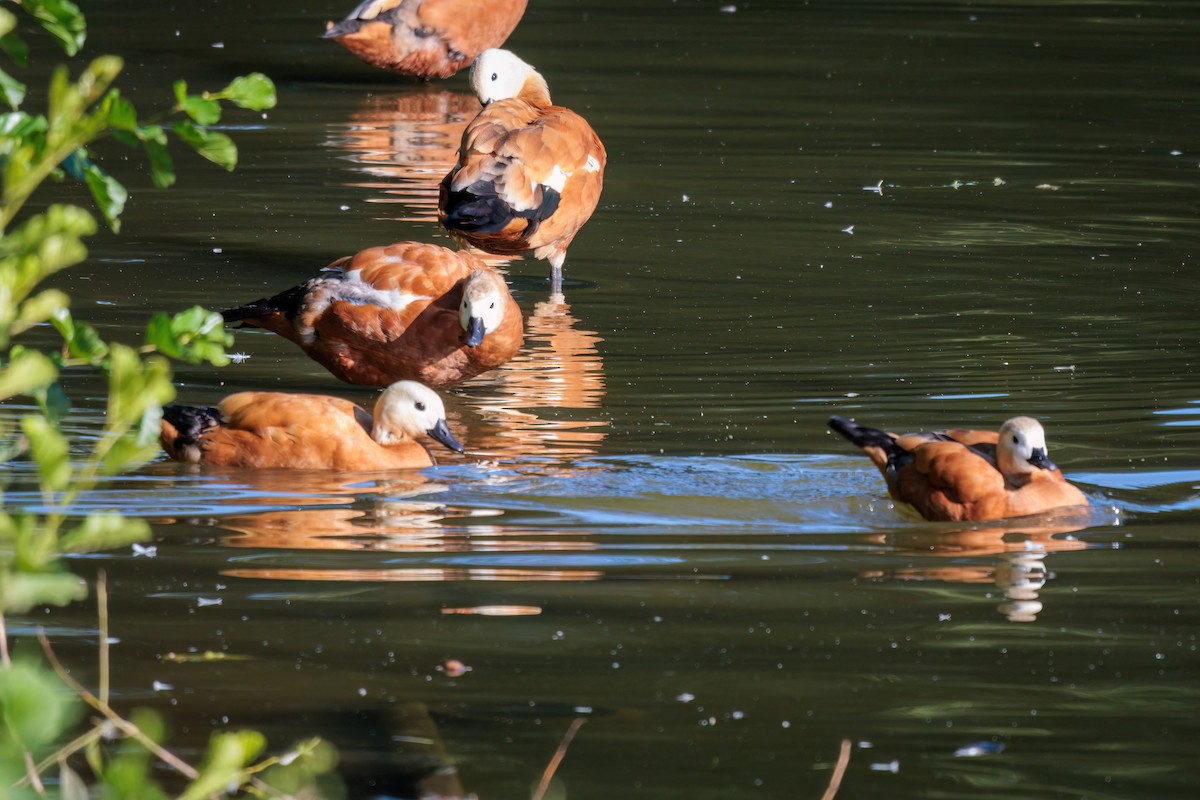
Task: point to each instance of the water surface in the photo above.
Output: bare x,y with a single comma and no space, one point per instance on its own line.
916,214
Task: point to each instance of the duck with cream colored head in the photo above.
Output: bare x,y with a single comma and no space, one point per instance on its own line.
968,475
529,173
403,311
425,38
266,430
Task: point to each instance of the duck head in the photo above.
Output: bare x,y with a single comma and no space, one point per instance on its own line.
407,409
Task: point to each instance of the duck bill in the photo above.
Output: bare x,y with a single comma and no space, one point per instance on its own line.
1040,460
442,433
475,332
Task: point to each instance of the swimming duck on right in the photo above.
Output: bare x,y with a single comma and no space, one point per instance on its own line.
529,173
967,475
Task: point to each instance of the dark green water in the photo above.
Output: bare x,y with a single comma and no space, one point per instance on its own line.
918,214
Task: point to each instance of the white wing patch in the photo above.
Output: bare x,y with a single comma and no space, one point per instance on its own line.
557,179
592,165
350,288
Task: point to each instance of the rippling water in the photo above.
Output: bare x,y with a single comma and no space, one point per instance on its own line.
917,214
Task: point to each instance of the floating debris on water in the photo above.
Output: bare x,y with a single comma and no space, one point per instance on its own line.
144,551
892,766
979,749
848,229
1049,187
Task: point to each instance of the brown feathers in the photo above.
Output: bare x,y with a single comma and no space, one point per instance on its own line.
425,38
405,311
965,474
529,173
305,431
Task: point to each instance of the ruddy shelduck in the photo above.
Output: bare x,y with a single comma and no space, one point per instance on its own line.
403,311
308,431
529,173
425,38
967,475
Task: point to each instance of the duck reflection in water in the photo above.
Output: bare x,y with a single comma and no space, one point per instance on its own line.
401,144
399,526
1018,569
559,372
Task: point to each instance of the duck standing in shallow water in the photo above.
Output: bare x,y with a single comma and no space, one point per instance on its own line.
309,431
403,311
967,475
529,173
425,38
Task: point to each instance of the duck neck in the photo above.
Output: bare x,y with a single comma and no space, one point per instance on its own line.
535,91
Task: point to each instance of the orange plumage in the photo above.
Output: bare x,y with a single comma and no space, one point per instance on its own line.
529,173
306,431
404,311
425,38
968,475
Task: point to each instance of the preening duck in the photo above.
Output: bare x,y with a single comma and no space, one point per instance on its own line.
529,173
967,474
425,38
403,311
308,431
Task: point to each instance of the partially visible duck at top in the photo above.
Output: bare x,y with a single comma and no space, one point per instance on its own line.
425,38
529,173
272,430
408,310
968,475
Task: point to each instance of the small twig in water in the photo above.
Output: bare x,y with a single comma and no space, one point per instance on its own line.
559,755
839,769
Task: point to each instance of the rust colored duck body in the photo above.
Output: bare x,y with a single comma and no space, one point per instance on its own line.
968,475
529,173
305,431
425,38
404,311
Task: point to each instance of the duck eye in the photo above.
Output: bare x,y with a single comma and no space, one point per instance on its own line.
420,406
1016,440
493,305
494,76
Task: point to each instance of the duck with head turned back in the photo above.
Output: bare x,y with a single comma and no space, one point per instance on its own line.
529,173
425,38
306,431
404,311
968,475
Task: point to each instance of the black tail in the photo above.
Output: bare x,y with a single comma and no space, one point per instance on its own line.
286,302
189,424
861,435
478,209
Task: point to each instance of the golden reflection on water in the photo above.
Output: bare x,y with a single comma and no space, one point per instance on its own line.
403,143
535,407
1018,571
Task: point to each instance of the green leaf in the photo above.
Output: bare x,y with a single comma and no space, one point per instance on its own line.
120,113
201,109
81,339
136,387
228,754
26,372
162,169
109,193
49,450
39,308
254,91
180,88
196,336
104,532
21,591
53,401
36,708
216,147
8,23
98,76
12,90
62,19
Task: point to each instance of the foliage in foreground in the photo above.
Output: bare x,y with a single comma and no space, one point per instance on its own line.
35,711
